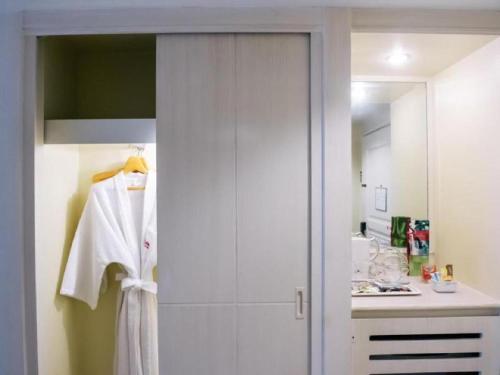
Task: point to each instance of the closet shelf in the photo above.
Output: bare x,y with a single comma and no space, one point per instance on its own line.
75,131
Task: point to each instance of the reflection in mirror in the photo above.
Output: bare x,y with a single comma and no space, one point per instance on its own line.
389,155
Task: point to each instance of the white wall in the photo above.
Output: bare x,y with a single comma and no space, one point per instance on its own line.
467,124
11,237
409,154
56,210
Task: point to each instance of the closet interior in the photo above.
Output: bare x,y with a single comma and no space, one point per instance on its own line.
97,95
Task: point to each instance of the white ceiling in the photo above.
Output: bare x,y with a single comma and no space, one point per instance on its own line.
429,54
428,4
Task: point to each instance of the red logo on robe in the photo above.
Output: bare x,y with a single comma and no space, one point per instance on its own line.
146,244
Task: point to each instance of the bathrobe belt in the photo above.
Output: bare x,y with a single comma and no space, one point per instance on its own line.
137,284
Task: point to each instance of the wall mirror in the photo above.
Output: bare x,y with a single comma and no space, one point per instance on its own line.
389,154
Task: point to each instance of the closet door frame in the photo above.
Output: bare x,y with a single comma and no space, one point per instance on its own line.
329,32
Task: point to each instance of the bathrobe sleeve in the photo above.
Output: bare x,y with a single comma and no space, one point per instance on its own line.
95,245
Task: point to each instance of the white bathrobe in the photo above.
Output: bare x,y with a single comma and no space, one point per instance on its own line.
119,226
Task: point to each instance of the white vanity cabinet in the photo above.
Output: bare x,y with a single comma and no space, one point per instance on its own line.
433,333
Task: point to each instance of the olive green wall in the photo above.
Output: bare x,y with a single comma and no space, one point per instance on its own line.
116,84
99,77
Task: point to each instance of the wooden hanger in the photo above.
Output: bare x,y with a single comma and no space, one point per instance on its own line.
136,164
133,164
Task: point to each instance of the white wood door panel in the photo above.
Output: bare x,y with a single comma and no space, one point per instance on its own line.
434,346
197,339
271,341
196,168
272,166
425,365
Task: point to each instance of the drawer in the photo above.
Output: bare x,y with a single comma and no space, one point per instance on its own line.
458,345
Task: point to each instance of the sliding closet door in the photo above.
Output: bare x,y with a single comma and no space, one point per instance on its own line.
196,159
233,213
272,202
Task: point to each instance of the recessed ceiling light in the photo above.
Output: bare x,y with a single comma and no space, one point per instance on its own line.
398,58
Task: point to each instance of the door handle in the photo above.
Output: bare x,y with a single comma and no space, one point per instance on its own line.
299,303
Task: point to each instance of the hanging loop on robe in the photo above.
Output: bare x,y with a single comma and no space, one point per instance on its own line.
132,283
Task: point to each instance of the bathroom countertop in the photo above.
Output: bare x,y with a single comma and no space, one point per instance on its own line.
465,302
